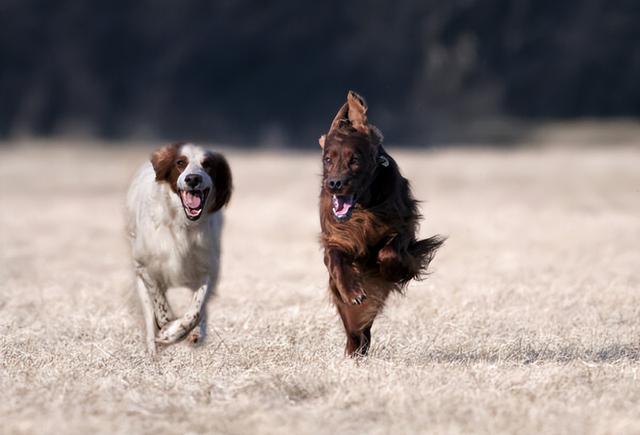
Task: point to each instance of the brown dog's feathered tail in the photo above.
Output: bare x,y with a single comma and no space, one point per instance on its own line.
410,263
423,252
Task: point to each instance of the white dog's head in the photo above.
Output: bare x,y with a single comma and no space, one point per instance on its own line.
193,174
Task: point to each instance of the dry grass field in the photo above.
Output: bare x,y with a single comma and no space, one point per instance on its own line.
529,324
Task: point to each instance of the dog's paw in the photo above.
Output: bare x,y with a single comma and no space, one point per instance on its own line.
358,297
172,332
350,287
195,336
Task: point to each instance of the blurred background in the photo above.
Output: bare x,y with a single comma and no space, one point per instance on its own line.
516,122
273,74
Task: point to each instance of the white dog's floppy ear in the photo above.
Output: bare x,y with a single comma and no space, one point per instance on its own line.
220,172
321,140
162,160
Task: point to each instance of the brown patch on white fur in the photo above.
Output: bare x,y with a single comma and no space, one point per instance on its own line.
168,165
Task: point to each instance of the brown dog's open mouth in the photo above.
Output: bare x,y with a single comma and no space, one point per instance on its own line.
193,202
343,206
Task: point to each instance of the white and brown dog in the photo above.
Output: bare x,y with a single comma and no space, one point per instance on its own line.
174,224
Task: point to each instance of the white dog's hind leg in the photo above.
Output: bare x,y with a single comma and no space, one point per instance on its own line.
176,330
149,317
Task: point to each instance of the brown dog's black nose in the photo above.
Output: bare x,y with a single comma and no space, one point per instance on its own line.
193,180
336,184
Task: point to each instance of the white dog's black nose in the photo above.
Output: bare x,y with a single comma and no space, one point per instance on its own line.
193,180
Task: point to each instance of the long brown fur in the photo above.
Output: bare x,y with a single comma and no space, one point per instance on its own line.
375,251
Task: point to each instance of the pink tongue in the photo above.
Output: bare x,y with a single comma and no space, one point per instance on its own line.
191,200
343,205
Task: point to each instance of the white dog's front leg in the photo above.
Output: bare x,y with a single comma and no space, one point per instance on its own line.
198,333
149,317
176,330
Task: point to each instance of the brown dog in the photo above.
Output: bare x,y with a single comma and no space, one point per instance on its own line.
369,221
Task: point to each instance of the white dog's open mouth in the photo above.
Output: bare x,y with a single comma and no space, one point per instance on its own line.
343,206
193,202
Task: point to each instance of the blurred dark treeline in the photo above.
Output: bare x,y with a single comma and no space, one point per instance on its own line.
249,72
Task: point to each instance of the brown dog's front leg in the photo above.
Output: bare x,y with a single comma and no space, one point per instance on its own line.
345,277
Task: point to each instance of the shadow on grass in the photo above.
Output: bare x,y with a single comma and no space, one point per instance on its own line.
519,354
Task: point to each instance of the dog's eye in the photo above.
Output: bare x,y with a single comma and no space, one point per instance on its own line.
354,160
327,160
181,163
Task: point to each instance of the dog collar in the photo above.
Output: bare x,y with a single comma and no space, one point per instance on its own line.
383,160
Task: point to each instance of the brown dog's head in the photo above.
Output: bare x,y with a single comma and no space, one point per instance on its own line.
350,156
193,172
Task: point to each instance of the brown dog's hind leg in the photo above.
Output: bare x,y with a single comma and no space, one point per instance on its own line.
357,321
393,266
353,347
402,260
365,339
358,342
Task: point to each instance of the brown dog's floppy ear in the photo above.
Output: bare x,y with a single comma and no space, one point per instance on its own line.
341,116
357,112
162,161
220,172
353,112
